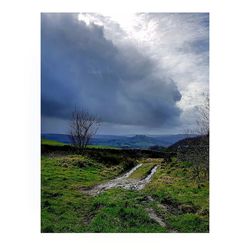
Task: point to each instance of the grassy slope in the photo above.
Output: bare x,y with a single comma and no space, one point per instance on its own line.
51,142
63,205
173,186
65,208
56,143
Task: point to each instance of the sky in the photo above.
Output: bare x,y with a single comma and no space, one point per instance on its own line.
142,73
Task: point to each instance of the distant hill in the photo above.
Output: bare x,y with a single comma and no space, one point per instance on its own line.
137,141
189,142
195,150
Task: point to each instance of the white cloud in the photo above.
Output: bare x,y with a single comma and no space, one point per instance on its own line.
145,55
177,43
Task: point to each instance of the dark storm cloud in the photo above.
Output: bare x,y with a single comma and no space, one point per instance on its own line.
80,67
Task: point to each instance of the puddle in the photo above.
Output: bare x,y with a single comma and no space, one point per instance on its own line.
124,182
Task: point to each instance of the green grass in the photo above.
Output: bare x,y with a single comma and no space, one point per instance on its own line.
51,142
67,208
64,206
144,170
189,222
122,211
172,185
56,143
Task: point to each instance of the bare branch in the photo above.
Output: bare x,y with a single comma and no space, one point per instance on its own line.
82,128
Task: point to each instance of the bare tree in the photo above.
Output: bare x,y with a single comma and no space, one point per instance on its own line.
196,149
82,128
201,150
203,119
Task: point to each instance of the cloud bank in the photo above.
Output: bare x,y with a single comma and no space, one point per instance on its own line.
139,72
81,67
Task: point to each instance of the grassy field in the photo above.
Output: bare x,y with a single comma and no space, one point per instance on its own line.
56,143
51,142
172,195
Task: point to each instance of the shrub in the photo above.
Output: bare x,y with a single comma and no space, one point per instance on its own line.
199,174
128,164
76,161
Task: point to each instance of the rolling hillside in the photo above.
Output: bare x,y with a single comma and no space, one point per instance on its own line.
137,141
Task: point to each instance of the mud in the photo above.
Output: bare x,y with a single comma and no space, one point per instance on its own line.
124,182
155,217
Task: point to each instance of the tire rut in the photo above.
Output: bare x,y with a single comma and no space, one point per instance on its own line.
124,182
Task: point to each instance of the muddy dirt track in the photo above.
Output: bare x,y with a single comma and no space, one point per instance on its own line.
124,182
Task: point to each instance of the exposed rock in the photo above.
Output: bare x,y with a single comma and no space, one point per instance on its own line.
155,217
